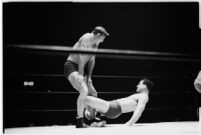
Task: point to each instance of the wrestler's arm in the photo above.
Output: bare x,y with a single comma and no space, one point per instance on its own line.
81,65
83,41
91,65
138,112
92,90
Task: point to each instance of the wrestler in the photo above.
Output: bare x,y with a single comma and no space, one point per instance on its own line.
197,82
78,69
135,103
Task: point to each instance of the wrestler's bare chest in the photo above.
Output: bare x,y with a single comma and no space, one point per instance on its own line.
84,57
128,104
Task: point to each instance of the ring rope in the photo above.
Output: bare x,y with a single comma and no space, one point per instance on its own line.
109,53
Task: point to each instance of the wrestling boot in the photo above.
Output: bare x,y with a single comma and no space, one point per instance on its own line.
80,123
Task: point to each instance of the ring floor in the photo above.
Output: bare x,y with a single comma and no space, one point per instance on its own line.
161,128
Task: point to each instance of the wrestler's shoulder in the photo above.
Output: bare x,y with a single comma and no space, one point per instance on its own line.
140,95
144,97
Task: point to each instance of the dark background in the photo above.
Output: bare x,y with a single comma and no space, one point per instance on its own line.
161,27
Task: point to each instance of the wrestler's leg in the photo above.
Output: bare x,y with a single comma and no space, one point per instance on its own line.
80,86
99,104
90,113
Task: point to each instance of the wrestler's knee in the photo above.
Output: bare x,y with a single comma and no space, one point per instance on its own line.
76,81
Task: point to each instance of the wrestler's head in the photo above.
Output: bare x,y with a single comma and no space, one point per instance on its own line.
90,113
100,34
144,84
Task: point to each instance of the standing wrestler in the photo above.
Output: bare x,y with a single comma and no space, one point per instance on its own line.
78,69
134,103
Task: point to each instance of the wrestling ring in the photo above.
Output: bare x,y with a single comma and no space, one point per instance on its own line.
165,128
157,128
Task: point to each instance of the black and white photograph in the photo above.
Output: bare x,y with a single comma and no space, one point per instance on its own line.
85,68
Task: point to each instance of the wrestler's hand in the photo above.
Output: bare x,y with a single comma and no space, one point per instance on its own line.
92,90
89,80
128,124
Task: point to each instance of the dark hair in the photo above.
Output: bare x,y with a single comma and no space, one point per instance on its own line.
100,30
148,83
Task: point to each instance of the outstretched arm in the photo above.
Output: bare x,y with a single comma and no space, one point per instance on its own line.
138,112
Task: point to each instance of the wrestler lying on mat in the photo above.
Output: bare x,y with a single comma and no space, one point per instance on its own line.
135,103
